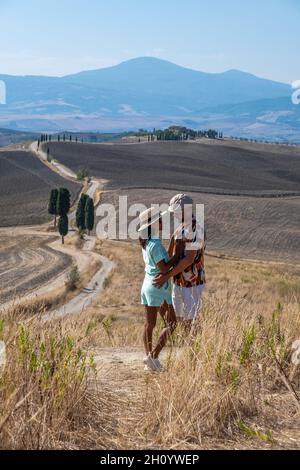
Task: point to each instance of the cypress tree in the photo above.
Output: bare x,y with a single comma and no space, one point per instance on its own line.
52,207
63,227
80,212
89,215
63,202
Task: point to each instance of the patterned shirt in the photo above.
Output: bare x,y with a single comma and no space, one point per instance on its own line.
195,237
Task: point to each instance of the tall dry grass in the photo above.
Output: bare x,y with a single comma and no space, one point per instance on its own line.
49,393
231,384
225,382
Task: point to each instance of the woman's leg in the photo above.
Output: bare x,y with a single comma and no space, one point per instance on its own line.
150,323
163,311
167,332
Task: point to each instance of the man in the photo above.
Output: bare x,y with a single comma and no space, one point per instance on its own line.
188,242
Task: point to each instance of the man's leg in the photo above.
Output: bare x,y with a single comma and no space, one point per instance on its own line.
192,299
178,304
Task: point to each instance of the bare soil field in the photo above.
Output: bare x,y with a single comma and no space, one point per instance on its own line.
239,184
26,262
25,184
246,227
215,168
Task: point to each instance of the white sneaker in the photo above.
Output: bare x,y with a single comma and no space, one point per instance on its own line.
152,364
158,364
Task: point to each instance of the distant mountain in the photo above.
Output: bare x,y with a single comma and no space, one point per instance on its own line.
8,137
141,92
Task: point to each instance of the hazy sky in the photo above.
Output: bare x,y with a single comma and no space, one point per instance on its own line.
57,37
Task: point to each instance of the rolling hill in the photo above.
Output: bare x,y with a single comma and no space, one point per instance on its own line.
251,192
25,185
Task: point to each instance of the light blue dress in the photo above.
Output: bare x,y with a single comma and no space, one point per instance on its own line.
150,295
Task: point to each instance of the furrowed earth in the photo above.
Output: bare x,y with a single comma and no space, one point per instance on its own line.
26,263
251,192
25,185
226,168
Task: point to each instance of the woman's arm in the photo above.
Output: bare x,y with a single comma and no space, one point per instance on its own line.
182,265
165,267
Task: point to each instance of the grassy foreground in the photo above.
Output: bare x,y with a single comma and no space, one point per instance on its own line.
235,385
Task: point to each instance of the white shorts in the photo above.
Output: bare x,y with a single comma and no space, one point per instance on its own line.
187,301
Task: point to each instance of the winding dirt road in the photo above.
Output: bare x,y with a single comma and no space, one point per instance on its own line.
40,264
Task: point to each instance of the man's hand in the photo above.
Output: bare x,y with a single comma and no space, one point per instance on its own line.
160,280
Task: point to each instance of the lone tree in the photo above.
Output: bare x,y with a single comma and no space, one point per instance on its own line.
80,212
52,207
89,215
63,202
63,227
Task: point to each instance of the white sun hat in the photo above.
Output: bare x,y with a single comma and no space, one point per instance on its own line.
179,201
148,218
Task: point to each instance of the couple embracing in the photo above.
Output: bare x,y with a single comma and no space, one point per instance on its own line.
174,279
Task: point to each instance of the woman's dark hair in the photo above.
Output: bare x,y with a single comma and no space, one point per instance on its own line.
144,241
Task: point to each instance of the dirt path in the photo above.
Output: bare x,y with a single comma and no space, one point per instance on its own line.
83,300
61,169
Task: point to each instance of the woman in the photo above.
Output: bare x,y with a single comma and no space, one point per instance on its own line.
156,262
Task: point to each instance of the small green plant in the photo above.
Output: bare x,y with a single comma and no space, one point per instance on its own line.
107,324
254,433
82,173
249,339
73,278
80,233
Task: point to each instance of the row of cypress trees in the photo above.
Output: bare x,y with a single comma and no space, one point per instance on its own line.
85,213
59,206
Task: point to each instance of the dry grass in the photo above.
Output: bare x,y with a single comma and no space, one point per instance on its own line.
225,384
233,385
49,396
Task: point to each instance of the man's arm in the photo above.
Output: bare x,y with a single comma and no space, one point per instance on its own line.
182,265
171,246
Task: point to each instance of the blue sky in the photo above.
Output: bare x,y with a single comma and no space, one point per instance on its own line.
57,37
